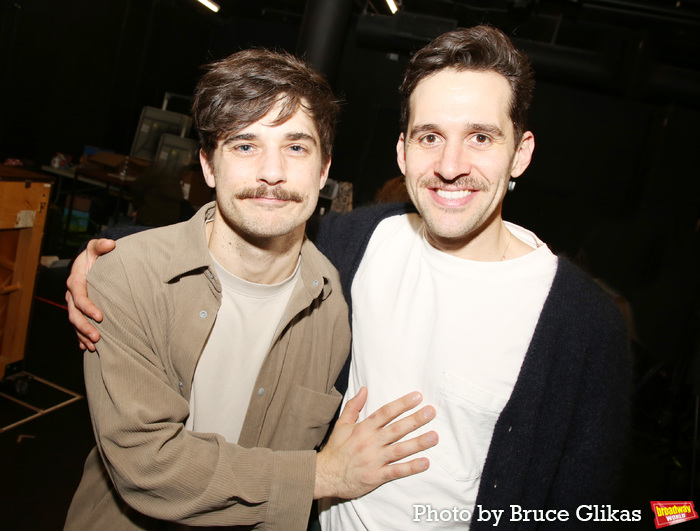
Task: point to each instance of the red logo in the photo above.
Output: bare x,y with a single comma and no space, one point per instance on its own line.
668,513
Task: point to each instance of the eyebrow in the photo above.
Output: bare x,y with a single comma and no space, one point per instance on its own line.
289,136
472,127
240,136
301,136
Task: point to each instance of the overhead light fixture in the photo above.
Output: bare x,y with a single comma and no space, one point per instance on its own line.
390,3
211,5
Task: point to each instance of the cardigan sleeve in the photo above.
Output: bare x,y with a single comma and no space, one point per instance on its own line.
159,468
557,444
589,464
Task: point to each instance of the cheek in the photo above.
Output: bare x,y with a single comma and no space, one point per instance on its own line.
417,164
493,169
412,186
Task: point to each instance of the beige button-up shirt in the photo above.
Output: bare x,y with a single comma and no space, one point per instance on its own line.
160,296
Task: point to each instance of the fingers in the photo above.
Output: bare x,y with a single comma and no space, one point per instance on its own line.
77,282
399,429
402,470
388,412
360,456
79,305
87,334
395,469
77,297
83,305
401,450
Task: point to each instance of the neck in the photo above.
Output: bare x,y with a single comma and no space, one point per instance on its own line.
258,260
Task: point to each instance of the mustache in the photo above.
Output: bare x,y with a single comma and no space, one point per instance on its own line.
269,192
467,182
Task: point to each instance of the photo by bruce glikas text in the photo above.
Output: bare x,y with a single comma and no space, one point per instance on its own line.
584,513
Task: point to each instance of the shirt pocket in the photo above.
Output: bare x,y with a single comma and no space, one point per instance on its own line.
466,417
311,412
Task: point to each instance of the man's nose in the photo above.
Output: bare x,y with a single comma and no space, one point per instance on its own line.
272,168
454,161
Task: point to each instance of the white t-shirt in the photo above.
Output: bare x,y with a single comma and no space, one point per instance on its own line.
457,331
236,349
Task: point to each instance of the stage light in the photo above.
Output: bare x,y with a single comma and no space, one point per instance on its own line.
211,5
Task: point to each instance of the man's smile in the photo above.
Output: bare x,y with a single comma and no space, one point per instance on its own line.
452,194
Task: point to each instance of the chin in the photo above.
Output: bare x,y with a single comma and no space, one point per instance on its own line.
272,232
447,226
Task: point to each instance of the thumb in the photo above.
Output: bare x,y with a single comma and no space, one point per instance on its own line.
351,411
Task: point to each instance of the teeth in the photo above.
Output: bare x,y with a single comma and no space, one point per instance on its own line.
450,194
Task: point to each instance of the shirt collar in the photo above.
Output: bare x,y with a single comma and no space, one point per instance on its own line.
192,251
314,271
193,255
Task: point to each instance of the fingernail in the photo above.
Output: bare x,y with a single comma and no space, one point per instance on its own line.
415,397
432,437
429,413
423,464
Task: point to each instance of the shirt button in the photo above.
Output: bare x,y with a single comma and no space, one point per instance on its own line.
495,483
314,283
203,314
510,428
261,391
211,275
180,384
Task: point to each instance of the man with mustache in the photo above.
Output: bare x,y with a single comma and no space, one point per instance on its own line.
523,355
222,337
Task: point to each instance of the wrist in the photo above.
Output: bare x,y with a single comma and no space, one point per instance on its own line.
322,487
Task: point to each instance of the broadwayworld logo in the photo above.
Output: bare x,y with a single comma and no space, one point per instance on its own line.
670,513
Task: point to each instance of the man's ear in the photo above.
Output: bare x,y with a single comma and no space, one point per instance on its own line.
401,153
523,155
324,173
207,170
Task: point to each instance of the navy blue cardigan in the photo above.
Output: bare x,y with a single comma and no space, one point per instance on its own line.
557,442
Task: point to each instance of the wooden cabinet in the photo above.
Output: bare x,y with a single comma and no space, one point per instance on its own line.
24,201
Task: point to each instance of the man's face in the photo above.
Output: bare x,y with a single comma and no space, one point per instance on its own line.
268,177
459,154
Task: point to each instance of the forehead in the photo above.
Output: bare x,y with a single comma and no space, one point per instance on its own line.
300,119
276,122
465,96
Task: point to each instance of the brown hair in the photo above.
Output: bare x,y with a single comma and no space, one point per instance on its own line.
239,90
481,48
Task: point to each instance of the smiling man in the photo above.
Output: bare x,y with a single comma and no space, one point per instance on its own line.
523,356
458,153
222,337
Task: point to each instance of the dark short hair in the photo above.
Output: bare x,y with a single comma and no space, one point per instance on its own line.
480,48
239,90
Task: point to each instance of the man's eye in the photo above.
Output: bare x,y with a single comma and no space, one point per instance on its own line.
297,148
481,139
429,139
243,148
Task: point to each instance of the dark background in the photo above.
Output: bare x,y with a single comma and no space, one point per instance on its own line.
614,183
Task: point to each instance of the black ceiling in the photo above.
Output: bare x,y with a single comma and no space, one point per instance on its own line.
670,30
